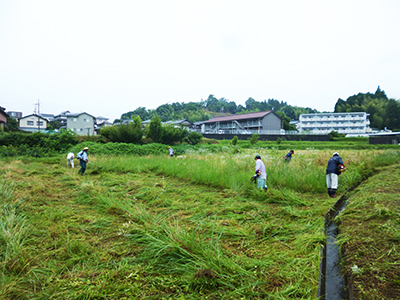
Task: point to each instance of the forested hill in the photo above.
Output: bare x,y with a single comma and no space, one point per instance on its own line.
205,110
384,112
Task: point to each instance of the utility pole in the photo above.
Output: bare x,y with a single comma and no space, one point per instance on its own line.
38,122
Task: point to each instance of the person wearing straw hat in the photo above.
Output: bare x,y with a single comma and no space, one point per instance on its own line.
333,170
83,159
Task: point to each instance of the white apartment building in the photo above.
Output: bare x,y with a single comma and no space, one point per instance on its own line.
344,123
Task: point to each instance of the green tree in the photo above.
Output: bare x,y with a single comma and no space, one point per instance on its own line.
154,130
285,121
12,125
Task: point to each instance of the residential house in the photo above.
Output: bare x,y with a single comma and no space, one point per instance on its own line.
263,122
50,117
62,119
3,117
180,123
32,123
15,114
81,123
100,123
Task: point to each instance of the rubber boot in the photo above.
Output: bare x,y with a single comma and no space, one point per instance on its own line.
329,192
333,193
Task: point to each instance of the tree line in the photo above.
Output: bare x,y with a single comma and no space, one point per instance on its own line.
212,107
383,112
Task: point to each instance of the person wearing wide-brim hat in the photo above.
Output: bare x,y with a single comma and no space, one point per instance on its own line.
83,159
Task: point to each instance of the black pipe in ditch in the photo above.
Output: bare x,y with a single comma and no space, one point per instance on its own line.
332,284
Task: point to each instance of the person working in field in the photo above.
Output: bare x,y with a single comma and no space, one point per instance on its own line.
70,159
262,174
334,169
171,151
288,156
83,159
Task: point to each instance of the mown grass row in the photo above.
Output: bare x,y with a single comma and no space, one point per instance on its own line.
370,236
127,235
157,227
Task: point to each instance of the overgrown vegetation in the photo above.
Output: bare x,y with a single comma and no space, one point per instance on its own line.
35,144
155,227
370,236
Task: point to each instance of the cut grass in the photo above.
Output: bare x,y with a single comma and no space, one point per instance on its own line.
370,237
150,228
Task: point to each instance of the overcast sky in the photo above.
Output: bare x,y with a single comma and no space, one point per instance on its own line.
110,57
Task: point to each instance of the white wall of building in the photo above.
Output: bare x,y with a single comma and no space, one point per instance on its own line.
343,123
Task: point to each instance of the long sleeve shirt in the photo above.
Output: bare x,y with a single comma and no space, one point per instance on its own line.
261,166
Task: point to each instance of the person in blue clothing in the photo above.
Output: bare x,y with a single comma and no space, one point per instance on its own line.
288,156
334,169
83,159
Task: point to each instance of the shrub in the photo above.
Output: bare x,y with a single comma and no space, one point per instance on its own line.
254,138
171,134
234,140
193,138
125,133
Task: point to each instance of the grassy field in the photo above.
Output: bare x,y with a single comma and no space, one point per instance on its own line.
370,237
153,227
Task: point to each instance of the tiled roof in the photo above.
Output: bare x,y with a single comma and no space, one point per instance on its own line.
255,115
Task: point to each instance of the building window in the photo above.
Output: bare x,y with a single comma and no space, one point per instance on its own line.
74,119
31,123
84,120
39,123
81,129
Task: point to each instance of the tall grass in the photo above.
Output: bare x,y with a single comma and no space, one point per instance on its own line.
14,234
304,174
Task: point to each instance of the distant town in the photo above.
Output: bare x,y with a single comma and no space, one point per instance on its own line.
265,122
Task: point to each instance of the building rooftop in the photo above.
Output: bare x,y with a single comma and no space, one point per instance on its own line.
255,115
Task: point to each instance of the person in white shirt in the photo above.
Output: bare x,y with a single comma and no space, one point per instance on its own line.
171,151
70,159
262,178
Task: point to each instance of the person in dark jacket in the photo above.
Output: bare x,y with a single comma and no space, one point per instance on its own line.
334,169
288,156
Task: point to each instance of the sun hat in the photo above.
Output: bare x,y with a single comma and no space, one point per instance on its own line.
335,154
86,148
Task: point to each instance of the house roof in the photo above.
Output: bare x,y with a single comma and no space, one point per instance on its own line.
71,115
198,123
33,115
255,115
179,122
3,112
62,114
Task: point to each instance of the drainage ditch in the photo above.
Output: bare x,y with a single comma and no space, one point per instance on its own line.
332,285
